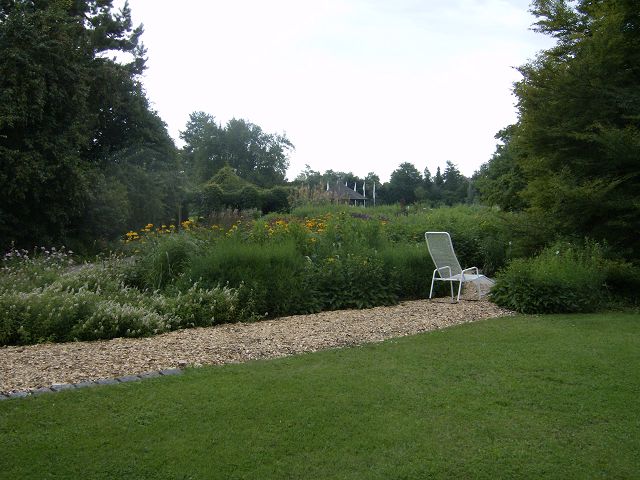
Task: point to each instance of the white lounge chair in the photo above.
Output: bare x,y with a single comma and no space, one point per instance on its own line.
447,266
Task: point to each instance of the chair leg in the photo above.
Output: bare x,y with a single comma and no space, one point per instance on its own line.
451,283
433,279
459,290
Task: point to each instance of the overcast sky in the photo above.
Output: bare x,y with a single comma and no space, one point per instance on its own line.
356,85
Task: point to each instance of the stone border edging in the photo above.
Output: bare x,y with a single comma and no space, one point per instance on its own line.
59,387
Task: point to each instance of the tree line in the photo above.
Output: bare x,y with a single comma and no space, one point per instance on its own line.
407,185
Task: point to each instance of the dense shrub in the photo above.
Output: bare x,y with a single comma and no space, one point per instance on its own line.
482,237
410,268
94,302
160,261
354,281
211,199
271,278
275,199
563,278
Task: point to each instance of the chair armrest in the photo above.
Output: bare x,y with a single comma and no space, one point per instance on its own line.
442,268
469,269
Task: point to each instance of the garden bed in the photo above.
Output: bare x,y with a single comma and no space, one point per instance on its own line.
28,367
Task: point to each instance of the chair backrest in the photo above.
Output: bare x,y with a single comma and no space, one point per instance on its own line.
441,251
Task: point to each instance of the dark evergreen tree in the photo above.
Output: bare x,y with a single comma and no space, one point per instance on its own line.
68,115
577,140
455,186
403,184
501,180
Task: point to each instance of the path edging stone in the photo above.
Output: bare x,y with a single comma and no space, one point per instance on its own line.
58,387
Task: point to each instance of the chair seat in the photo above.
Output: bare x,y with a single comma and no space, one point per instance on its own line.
467,278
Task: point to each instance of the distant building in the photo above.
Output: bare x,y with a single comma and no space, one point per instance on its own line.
343,194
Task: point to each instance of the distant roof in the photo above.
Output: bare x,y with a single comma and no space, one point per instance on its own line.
345,192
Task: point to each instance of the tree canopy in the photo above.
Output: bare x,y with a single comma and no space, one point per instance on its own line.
577,140
259,157
69,115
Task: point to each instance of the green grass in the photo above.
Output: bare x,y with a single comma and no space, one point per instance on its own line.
525,397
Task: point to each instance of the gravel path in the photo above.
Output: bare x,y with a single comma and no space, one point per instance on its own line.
35,366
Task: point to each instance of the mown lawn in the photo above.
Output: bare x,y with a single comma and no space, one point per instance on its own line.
524,397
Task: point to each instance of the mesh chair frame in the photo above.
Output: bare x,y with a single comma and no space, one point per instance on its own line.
445,260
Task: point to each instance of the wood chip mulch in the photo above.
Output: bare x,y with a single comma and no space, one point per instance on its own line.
35,366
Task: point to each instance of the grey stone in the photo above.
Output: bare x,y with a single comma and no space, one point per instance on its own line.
107,381
128,378
58,387
171,371
41,390
85,384
18,394
149,375
3,396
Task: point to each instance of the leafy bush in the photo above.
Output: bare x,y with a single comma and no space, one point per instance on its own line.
354,281
43,315
95,301
162,260
411,269
563,278
270,278
202,307
481,236
275,199
21,270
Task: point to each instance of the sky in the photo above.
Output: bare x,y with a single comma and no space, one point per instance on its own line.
356,85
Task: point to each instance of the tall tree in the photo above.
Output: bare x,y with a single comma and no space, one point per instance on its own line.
403,184
455,186
66,109
578,135
501,180
256,156
202,152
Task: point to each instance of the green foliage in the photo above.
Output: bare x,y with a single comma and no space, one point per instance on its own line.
95,302
501,180
312,260
202,307
78,140
275,199
269,278
403,184
227,190
409,268
572,155
255,156
212,199
164,260
482,237
455,186
564,278
354,281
